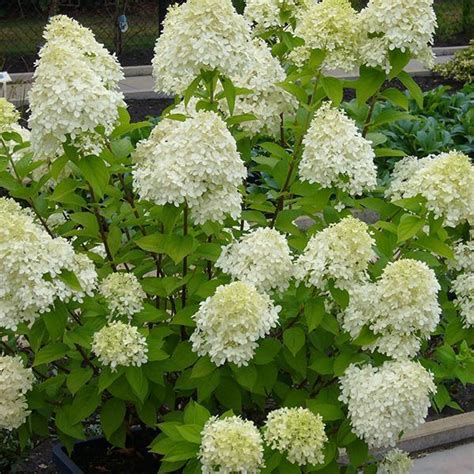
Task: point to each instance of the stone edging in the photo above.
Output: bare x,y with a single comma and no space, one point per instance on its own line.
444,431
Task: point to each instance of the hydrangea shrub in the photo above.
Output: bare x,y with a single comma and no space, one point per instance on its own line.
239,276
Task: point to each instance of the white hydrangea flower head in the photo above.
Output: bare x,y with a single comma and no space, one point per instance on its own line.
395,461
397,24
104,63
194,161
229,323
75,90
401,308
8,114
341,252
212,35
265,14
27,255
298,433
15,382
123,293
261,73
261,258
387,400
120,344
463,256
231,445
463,287
336,154
330,25
9,118
446,181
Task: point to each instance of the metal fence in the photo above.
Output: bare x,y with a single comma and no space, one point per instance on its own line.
127,27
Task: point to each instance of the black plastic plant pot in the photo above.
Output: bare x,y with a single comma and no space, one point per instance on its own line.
62,461
99,446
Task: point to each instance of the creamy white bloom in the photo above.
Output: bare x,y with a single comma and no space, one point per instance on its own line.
104,63
75,90
123,293
336,154
8,114
15,382
463,256
120,344
463,287
397,24
265,14
31,266
330,25
446,181
196,161
197,35
385,401
261,258
9,118
401,308
395,462
267,101
229,323
341,252
229,446
298,433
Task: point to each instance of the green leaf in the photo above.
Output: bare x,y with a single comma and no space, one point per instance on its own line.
190,433
246,376
329,412
50,353
176,246
333,88
295,90
435,245
412,87
358,452
96,174
84,404
294,339
202,368
398,60
114,239
68,277
275,150
389,152
396,97
147,413
56,321
409,226
266,351
112,416
138,382
195,414
369,82
78,378
314,312
181,452
63,422
229,93
316,58
123,147
390,115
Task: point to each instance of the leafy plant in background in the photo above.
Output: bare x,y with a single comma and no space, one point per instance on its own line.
445,122
161,277
461,67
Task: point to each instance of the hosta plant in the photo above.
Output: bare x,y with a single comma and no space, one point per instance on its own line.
237,279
